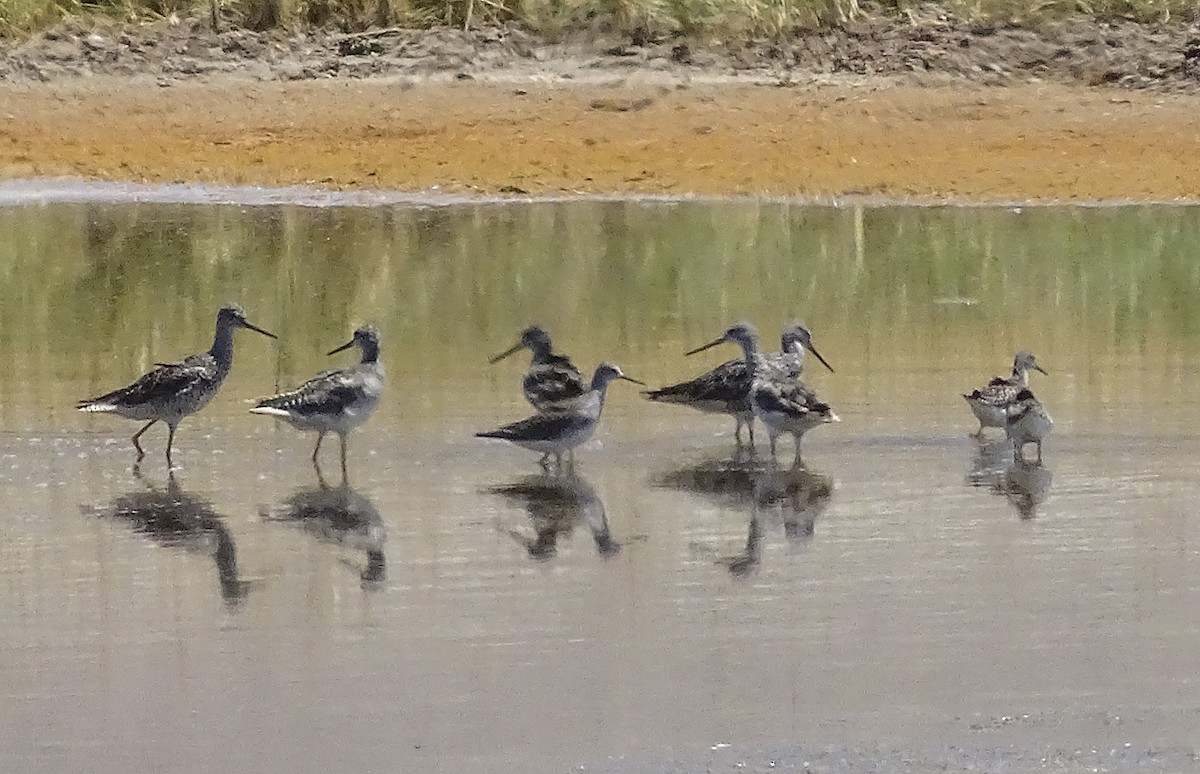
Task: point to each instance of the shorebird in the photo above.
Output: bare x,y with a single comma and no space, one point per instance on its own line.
172,391
726,388
989,403
1026,421
559,432
785,405
552,381
334,401
790,361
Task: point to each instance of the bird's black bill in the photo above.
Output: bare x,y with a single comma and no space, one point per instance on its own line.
631,379
514,348
1043,370
257,329
813,350
342,348
709,345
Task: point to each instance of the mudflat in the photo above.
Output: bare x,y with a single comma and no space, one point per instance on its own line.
639,134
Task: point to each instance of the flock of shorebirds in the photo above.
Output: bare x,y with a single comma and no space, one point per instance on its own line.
762,386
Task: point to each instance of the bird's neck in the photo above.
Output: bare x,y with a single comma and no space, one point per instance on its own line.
795,349
222,348
1020,375
750,354
541,353
370,352
594,402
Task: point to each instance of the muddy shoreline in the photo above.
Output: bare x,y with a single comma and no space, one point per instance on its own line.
932,111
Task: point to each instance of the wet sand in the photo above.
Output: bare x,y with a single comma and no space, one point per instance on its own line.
639,135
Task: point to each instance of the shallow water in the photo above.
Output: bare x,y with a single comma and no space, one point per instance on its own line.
912,599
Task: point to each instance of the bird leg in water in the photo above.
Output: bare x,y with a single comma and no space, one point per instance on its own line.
320,437
137,435
170,443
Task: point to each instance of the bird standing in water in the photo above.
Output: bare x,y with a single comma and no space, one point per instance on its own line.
334,401
989,403
172,391
552,381
1027,421
726,388
560,432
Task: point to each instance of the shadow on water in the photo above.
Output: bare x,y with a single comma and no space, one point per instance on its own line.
1026,485
177,519
801,494
340,515
556,503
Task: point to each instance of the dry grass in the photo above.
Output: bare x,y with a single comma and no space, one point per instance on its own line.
776,18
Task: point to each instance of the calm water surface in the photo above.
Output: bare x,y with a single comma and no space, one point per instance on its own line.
912,599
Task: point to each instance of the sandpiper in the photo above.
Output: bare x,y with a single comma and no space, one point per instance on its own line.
790,361
726,388
172,391
558,432
786,405
1026,421
552,381
989,403
334,401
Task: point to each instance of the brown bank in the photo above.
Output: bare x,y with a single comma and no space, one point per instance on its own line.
514,135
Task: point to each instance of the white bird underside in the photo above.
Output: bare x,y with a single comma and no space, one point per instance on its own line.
989,404
334,401
168,393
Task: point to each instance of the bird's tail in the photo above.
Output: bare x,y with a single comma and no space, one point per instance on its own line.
672,394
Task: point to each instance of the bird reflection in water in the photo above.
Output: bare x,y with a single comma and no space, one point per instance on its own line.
175,518
1026,485
801,494
339,515
556,503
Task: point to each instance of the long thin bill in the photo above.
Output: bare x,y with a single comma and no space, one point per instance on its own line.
514,348
709,345
342,348
257,329
813,350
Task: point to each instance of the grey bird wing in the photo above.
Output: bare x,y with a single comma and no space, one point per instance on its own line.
542,427
166,382
558,381
998,393
728,383
326,393
791,398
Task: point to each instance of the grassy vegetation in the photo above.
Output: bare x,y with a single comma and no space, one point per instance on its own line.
753,17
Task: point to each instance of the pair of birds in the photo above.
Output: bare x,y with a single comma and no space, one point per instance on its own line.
1008,402
761,385
333,401
758,385
568,407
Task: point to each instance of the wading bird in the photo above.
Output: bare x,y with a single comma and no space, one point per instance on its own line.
172,391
